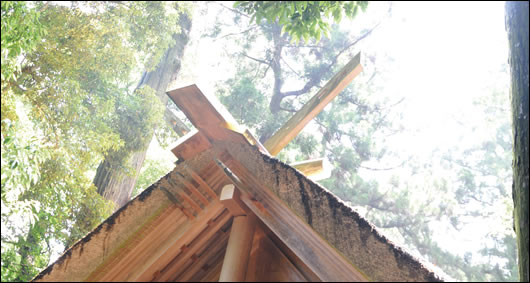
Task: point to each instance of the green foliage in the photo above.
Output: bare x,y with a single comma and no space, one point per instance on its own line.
302,19
249,113
137,115
254,113
21,161
150,25
152,170
21,30
69,104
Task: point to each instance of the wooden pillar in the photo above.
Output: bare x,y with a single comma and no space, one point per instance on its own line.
241,235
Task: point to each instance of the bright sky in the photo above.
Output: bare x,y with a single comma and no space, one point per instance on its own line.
445,54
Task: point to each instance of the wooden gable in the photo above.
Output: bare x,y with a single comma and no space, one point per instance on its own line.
229,211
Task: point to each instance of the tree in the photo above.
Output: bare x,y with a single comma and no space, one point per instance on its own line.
517,26
307,19
69,105
116,176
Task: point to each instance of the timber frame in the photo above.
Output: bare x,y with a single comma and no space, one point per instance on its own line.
230,211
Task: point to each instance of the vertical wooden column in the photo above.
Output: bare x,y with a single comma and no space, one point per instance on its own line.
240,241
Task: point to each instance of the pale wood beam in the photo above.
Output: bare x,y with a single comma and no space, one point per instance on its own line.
165,252
193,190
191,144
311,109
238,250
202,183
230,199
314,169
207,114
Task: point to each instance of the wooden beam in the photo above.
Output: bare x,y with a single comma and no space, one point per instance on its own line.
238,250
191,144
170,249
190,201
205,113
210,117
309,167
254,141
325,261
213,250
311,109
230,199
193,190
169,272
121,263
202,183
267,263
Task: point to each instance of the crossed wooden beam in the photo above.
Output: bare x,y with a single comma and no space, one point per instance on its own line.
212,119
215,125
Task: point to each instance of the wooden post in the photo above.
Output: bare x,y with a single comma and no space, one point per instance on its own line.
241,235
238,249
311,109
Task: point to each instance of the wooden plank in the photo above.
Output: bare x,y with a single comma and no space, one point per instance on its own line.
268,263
177,203
326,262
194,190
191,144
219,246
212,275
238,249
172,247
298,264
205,113
191,202
255,267
170,270
230,199
202,183
311,109
140,251
164,223
314,169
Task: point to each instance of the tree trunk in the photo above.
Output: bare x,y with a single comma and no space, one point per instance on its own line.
517,26
114,183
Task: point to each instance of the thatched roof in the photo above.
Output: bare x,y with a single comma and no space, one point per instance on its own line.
178,229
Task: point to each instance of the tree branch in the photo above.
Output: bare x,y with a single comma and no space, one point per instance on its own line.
233,10
300,76
236,33
257,60
388,168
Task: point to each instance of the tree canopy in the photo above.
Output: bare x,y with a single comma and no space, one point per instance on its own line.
68,100
302,19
